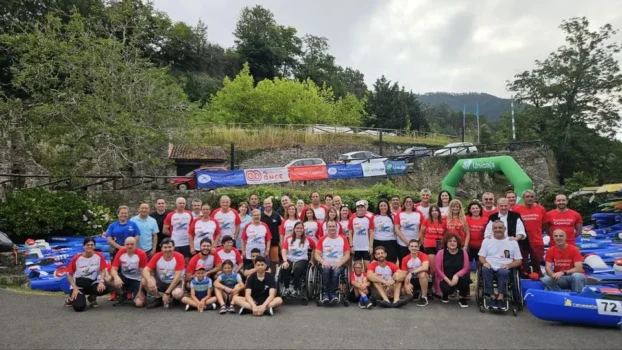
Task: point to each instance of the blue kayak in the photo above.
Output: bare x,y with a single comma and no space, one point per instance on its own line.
45,283
594,306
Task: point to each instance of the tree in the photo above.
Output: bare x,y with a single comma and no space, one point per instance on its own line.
270,49
394,108
351,81
93,104
575,92
316,63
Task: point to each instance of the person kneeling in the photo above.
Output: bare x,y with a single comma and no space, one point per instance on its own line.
87,276
200,291
260,295
564,266
163,275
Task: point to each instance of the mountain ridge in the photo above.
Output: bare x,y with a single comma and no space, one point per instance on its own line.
490,106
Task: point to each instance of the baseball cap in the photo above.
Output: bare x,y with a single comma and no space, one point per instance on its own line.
360,203
200,266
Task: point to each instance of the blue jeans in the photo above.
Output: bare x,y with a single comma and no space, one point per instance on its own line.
330,279
502,280
574,282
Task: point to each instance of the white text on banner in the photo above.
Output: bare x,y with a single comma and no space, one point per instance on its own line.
266,176
373,169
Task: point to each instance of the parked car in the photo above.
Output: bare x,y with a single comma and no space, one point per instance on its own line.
305,161
414,152
360,157
456,148
189,181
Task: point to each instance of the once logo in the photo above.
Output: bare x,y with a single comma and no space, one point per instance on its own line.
332,171
272,176
467,164
204,178
253,175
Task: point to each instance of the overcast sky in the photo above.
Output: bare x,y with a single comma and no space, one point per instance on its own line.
426,45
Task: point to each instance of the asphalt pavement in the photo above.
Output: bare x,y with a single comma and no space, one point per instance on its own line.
41,321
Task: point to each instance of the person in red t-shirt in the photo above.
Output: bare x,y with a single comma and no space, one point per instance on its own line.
417,265
565,219
432,234
564,266
511,197
488,198
477,224
386,278
534,218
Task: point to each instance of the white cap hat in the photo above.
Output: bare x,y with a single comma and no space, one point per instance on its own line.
360,203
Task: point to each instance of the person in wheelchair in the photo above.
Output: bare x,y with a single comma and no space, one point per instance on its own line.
295,254
332,253
498,256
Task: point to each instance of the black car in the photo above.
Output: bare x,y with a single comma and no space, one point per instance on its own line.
414,152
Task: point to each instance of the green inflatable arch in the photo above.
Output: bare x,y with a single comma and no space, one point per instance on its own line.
506,164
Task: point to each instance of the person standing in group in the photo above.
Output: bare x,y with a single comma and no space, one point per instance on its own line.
253,203
256,235
148,228
534,219
333,215
313,228
319,209
290,219
424,205
477,225
300,206
273,221
328,201
396,205
432,234
285,203
455,222
160,215
407,226
488,198
562,218
121,229
361,230
177,225
510,195
203,227
384,231
196,208
443,202
245,219
228,219
337,203
344,220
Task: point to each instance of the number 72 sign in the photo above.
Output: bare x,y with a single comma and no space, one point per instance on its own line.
609,307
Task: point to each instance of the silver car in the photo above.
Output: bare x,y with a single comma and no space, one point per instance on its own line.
358,157
456,148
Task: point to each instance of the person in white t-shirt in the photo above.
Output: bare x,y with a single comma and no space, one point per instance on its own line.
498,256
332,253
126,271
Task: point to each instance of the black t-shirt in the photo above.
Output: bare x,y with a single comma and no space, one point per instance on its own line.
159,218
452,263
260,289
274,222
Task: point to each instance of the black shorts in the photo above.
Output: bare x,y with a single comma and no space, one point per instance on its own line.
185,251
131,285
89,287
415,282
402,252
259,301
431,250
361,255
162,287
473,254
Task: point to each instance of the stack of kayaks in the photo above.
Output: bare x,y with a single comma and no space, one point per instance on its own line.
47,262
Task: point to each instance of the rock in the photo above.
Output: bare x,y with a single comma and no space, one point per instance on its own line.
14,280
8,265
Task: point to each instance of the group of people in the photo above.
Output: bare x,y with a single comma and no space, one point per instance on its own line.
225,259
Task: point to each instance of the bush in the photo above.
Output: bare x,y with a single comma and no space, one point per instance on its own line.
37,213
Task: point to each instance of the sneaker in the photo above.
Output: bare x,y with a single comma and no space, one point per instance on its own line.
368,304
68,303
269,311
362,305
422,301
445,299
334,299
242,311
325,299
463,302
501,305
223,310
384,303
400,303
187,307
113,296
157,302
120,300
492,304
92,301
231,309
416,296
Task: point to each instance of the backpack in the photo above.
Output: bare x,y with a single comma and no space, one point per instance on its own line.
6,245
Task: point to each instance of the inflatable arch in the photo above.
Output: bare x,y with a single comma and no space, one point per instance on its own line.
506,164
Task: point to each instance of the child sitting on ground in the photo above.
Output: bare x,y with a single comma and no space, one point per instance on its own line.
227,285
360,285
200,292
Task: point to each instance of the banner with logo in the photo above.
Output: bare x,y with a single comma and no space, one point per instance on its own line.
307,172
373,169
266,176
214,179
344,171
395,167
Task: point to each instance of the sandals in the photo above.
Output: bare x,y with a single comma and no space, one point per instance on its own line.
223,310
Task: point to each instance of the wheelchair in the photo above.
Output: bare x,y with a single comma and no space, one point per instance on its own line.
305,292
514,297
343,289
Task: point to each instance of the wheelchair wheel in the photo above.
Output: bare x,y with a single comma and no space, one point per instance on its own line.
304,301
517,291
514,311
279,281
346,302
479,288
311,282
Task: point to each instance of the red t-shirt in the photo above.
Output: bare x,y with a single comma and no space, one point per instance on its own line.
455,226
476,230
563,259
565,221
533,219
486,213
433,231
409,264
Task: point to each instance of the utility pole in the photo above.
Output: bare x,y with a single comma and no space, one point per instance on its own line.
463,120
477,115
513,124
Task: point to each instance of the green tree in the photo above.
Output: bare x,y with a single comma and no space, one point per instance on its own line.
574,93
93,104
270,49
394,108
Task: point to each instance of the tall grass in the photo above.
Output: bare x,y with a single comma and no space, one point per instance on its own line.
278,137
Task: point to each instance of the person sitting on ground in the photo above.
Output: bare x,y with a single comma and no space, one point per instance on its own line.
227,285
417,265
87,276
228,252
163,275
564,266
200,291
452,270
332,253
498,256
203,257
295,254
360,285
386,279
260,294
249,265
126,270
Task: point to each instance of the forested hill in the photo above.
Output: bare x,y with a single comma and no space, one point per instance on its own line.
490,106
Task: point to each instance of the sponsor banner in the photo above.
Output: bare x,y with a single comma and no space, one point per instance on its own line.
479,165
373,169
266,176
213,179
344,171
307,172
396,167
